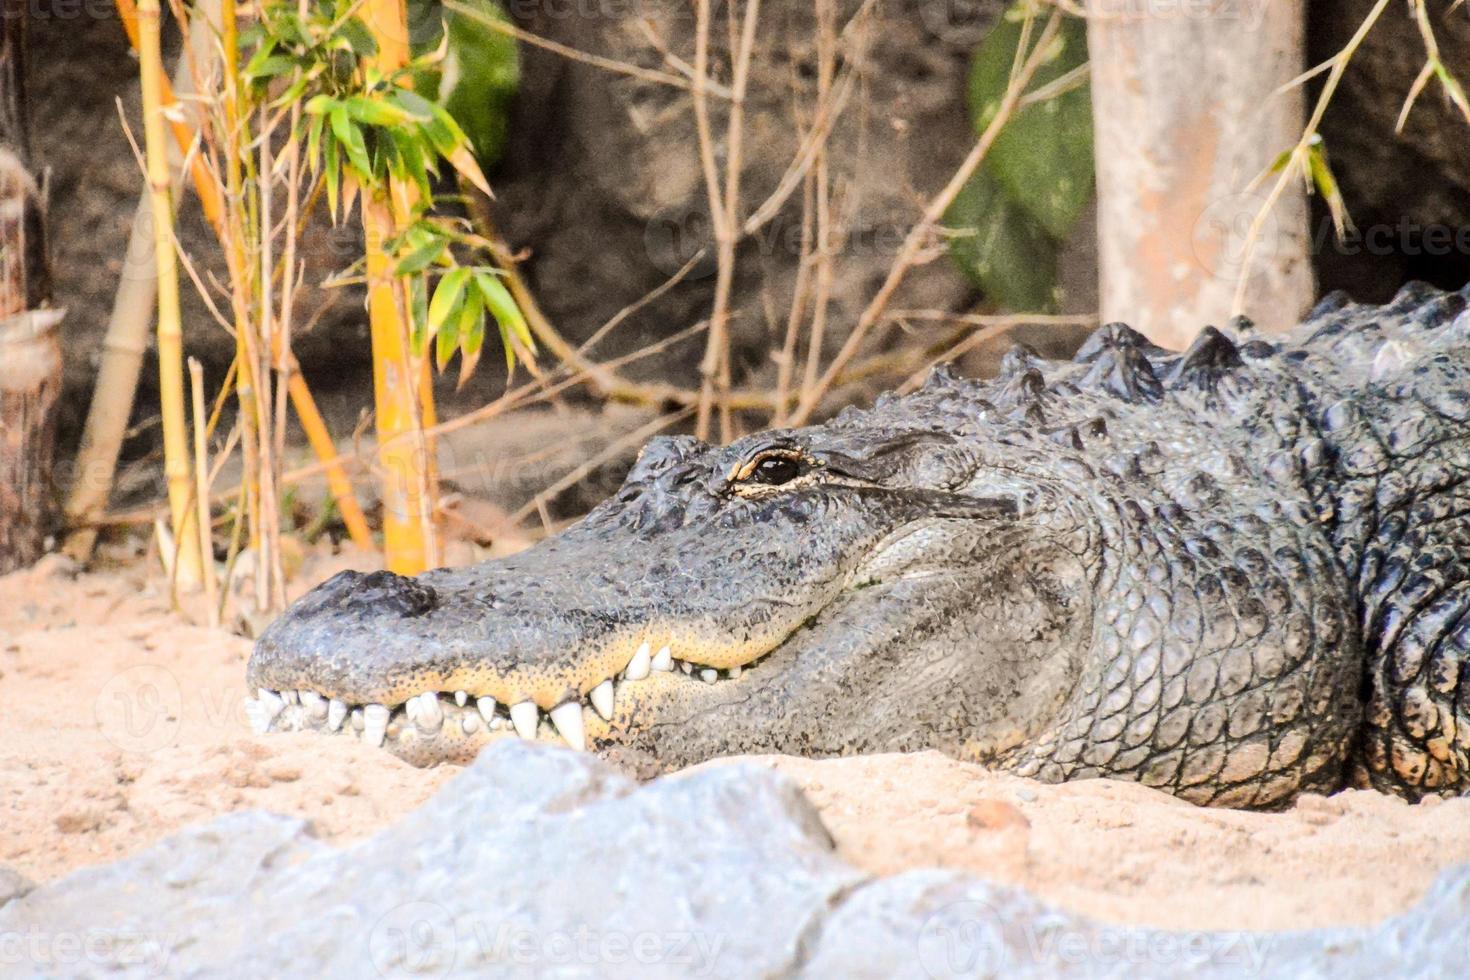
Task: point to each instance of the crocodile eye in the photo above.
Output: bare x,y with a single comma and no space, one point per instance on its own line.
775,470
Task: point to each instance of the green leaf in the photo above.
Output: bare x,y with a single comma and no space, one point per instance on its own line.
503,307
411,153
330,169
447,296
350,137
376,112
421,257
446,340
482,70
1001,247
264,66
1043,157
1326,184
418,309
359,39
314,142
471,336
293,91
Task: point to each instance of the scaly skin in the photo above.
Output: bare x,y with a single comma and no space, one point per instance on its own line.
1235,574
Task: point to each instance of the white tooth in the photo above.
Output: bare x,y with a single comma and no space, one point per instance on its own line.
602,699
567,717
486,707
256,712
638,667
525,716
425,712
460,697
735,672
374,723
469,723
685,666
497,723
314,703
273,704
336,713
709,675
357,721
663,660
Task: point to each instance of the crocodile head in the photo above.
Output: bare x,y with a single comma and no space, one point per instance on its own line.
797,591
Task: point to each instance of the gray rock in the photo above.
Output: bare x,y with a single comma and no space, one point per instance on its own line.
13,885
188,896
539,861
535,860
934,924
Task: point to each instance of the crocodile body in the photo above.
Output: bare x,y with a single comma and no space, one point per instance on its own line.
1236,574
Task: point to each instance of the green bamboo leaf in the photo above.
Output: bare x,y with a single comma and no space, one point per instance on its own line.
350,138
446,339
293,91
1326,184
509,348
359,39
447,296
412,155
503,307
421,258
418,309
288,28
265,68
472,338
330,168
377,112
1282,159
411,103
314,142
1043,157
319,105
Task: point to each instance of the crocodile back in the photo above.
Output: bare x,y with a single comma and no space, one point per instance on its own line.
1395,410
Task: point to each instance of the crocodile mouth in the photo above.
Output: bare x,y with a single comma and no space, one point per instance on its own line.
453,725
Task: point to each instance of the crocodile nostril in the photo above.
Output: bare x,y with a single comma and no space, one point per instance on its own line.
383,592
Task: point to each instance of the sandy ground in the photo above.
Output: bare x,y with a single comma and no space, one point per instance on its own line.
121,722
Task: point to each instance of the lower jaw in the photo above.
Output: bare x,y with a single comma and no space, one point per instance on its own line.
461,736
463,731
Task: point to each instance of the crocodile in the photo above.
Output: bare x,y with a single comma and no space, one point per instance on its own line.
1236,573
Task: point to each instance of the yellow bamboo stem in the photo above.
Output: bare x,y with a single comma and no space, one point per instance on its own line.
205,185
401,384
187,572
201,491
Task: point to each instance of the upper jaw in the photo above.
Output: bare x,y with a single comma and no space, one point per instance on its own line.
442,725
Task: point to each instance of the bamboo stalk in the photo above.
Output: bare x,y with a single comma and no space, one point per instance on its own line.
401,385
404,541
123,348
241,283
205,186
187,570
126,339
201,491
